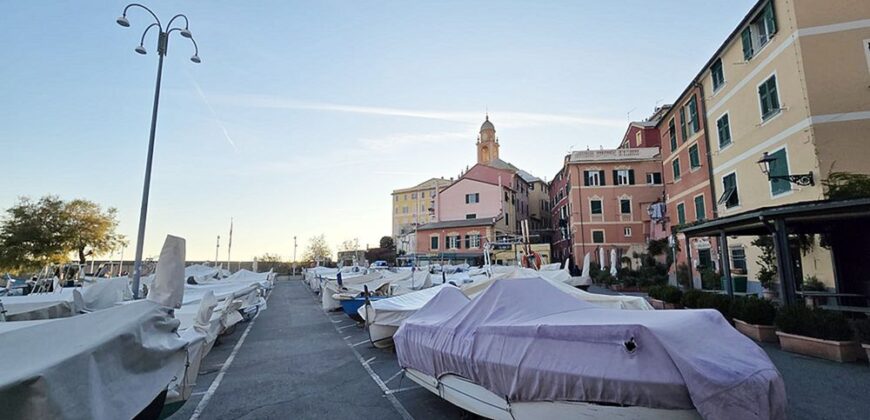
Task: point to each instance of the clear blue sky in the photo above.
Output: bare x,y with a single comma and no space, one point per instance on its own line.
303,116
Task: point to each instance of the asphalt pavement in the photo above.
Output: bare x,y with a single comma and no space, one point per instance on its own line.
295,361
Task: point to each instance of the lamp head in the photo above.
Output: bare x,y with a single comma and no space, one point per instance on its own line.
186,33
123,21
195,59
764,163
141,50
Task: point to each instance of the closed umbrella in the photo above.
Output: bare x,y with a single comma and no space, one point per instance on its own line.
613,262
585,273
601,257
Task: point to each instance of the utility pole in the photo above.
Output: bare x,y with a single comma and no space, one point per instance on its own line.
294,255
216,249
230,245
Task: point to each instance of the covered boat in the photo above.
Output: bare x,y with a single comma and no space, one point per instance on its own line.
524,350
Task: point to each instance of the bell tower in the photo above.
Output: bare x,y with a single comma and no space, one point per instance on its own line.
487,143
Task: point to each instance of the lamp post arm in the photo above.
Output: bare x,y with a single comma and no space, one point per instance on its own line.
147,10
186,22
144,33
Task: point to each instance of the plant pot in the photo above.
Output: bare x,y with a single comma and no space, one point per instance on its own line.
760,333
838,351
673,306
657,304
768,294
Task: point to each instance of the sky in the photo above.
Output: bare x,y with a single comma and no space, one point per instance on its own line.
304,115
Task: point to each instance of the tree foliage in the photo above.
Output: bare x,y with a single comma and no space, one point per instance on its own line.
349,245
385,252
843,186
317,250
35,233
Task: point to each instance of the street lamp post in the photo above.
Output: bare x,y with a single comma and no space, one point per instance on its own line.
162,44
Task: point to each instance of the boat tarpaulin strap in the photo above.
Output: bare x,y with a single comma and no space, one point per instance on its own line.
529,341
108,364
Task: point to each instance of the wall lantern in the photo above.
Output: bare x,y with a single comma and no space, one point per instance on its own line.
800,179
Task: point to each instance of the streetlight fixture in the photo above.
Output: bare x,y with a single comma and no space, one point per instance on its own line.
799,179
162,44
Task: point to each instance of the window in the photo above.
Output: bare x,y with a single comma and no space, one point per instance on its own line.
693,125
683,124
672,131
723,127
432,193
769,98
397,210
595,207
626,231
507,218
694,157
472,240
413,195
676,166
506,196
405,197
623,176
681,214
779,167
598,236
472,198
759,32
717,74
654,178
625,205
593,178
729,198
700,211
738,259
471,216
397,198
531,187
405,210
453,242
638,139
433,242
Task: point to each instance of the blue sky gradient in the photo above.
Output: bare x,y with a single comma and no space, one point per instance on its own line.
303,116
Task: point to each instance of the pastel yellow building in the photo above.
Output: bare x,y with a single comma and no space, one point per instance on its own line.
792,82
413,207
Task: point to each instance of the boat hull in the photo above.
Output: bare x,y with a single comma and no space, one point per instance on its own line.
478,400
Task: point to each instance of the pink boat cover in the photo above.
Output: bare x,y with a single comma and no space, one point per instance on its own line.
528,341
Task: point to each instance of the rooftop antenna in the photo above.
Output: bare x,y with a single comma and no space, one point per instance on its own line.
628,114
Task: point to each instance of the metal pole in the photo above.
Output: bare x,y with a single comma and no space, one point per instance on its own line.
294,255
143,213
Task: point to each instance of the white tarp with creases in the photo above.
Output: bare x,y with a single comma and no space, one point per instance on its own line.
108,364
96,295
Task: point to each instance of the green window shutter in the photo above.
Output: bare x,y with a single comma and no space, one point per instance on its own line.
467,241
631,177
673,132
676,166
458,242
601,178
615,177
770,18
693,114
683,123
762,97
772,93
681,214
586,178
694,157
722,125
717,74
700,211
746,37
779,167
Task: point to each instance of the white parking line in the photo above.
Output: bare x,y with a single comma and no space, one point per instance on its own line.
369,361
360,343
395,375
407,388
346,326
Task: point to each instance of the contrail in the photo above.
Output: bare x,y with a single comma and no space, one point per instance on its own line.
213,114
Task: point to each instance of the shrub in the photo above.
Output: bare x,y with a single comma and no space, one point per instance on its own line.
683,276
655,292
721,303
862,330
711,280
816,323
753,310
812,284
690,298
670,294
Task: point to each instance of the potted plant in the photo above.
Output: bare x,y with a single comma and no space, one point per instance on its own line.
862,333
671,295
754,318
655,297
766,266
812,284
816,332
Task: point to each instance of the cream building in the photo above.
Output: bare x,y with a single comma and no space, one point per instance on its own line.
792,81
413,207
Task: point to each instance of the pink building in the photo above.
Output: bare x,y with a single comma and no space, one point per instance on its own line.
609,193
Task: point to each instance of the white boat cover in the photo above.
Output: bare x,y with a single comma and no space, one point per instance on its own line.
100,294
393,311
109,364
527,341
167,287
200,273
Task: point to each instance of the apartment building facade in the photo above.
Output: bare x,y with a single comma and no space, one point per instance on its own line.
413,207
792,84
608,199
